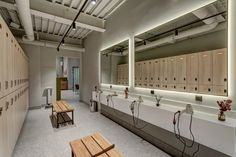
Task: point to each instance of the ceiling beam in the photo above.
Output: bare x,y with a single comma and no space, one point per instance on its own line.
61,14
64,12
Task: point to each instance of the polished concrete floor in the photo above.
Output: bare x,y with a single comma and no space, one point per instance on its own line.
39,139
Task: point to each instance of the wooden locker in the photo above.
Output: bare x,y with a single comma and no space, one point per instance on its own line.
163,70
136,74
140,74
157,73
171,78
2,47
206,89
192,68
144,73
151,73
220,90
181,69
205,68
220,64
181,87
192,88
2,131
126,74
118,74
163,73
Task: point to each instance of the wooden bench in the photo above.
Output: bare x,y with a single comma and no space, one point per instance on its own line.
61,108
93,146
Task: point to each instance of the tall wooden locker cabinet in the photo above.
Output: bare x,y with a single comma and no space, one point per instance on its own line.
163,73
157,73
220,73
192,73
172,75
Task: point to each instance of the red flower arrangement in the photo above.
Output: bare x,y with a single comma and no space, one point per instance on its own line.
224,105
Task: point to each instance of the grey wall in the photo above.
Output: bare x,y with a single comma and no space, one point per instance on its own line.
43,70
133,17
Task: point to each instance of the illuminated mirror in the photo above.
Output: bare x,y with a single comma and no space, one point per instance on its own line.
114,64
188,54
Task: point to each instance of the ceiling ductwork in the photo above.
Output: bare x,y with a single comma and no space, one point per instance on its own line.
23,8
210,24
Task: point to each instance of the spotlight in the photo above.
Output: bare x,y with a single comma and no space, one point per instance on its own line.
63,42
58,49
74,26
144,42
176,32
94,2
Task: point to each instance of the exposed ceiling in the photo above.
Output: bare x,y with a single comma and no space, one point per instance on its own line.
164,30
52,18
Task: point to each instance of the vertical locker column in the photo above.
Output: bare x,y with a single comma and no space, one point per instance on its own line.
181,66
220,81
205,72
2,52
5,61
171,77
163,73
139,74
151,73
11,61
136,74
2,135
118,74
144,73
192,73
157,73
126,67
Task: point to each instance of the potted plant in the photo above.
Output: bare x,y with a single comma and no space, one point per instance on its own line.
224,105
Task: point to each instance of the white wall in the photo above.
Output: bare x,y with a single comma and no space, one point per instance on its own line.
43,70
135,17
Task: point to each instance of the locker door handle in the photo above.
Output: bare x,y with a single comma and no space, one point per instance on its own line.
195,88
11,83
209,79
195,79
209,89
174,79
12,100
225,91
0,111
184,78
225,79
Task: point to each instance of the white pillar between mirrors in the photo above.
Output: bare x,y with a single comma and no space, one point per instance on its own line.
131,63
232,51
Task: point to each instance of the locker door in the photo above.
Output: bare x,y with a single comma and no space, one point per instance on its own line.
2,132
220,65
11,62
1,57
205,68
151,73
181,65
192,69
6,127
157,73
6,62
144,73
171,77
10,131
163,73
136,74
140,74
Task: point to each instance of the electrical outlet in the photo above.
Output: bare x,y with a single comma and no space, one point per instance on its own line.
198,98
152,92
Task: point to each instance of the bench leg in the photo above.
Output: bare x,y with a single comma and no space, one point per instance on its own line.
57,120
73,117
72,154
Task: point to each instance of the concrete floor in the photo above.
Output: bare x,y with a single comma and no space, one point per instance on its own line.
39,139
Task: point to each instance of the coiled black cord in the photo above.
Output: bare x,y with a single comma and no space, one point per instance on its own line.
180,138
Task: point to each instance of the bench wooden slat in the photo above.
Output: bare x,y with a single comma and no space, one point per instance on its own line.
91,145
79,149
63,108
56,108
101,141
69,107
114,153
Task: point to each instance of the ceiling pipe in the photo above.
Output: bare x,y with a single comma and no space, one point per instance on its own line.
25,17
211,24
50,44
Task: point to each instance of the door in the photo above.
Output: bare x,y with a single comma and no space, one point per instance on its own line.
205,68
150,71
157,73
75,74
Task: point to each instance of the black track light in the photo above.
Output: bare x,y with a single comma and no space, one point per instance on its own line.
58,49
74,26
144,42
176,32
63,42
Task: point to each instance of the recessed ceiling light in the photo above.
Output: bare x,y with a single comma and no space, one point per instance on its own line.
94,2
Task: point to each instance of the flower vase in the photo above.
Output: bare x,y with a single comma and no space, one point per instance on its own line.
221,116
